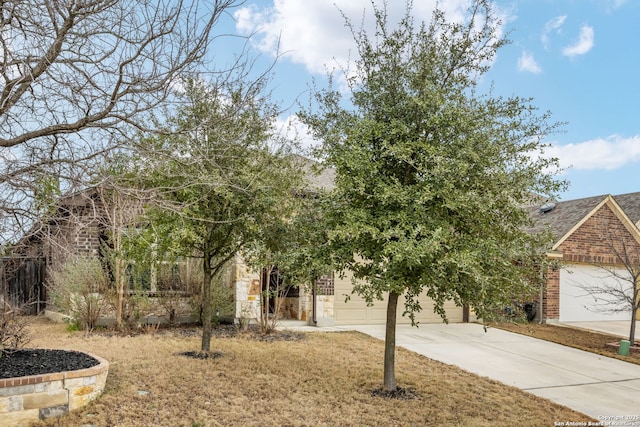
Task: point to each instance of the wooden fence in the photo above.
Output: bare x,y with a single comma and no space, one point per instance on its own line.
22,281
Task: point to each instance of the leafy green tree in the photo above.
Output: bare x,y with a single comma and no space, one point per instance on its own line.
431,174
219,176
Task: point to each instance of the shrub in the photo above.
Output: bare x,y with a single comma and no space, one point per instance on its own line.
13,328
135,307
78,288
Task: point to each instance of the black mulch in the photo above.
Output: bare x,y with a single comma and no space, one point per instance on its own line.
24,362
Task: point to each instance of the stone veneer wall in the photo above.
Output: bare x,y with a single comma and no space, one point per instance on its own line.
38,397
246,285
248,288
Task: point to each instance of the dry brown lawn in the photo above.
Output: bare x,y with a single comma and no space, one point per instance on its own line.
594,342
323,379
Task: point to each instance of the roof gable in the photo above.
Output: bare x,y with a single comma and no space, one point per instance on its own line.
630,204
610,202
566,217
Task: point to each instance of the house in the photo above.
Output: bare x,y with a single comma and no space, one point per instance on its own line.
587,235
73,229
327,303
79,226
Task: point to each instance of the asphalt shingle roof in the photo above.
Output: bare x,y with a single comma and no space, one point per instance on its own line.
630,204
567,214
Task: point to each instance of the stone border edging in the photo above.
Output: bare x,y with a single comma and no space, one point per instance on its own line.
37,397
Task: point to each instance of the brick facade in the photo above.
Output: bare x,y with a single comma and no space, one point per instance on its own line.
551,295
595,242
77,229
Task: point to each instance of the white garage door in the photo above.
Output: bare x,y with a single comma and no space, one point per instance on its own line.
356,312
577,305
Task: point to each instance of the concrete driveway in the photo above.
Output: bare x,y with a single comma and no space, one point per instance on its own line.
594,385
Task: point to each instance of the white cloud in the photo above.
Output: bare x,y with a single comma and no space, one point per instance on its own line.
313,33
554,24
598,154
528,63
293,129
582,45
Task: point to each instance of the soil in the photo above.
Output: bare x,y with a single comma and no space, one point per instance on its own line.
24,362
398,393
201,354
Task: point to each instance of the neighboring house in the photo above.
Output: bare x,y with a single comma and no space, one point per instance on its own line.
74,228
585,233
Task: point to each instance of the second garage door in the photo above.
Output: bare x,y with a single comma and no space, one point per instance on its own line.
356,312
576,304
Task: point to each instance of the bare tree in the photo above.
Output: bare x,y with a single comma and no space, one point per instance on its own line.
77,76
620,292
121,211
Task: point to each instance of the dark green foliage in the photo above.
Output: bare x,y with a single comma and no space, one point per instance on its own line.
431,175
219,178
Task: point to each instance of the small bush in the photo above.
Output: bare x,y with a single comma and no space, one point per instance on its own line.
135,307
174,285
13,328
78,288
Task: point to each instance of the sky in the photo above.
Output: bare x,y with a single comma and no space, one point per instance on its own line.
578,59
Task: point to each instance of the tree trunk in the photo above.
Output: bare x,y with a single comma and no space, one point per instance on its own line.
634,312
206,304
632,332
120,280
390,344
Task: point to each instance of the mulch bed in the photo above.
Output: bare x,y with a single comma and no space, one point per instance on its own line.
25,362
219,331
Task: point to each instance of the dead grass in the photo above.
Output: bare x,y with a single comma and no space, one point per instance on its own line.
594,342
325,379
